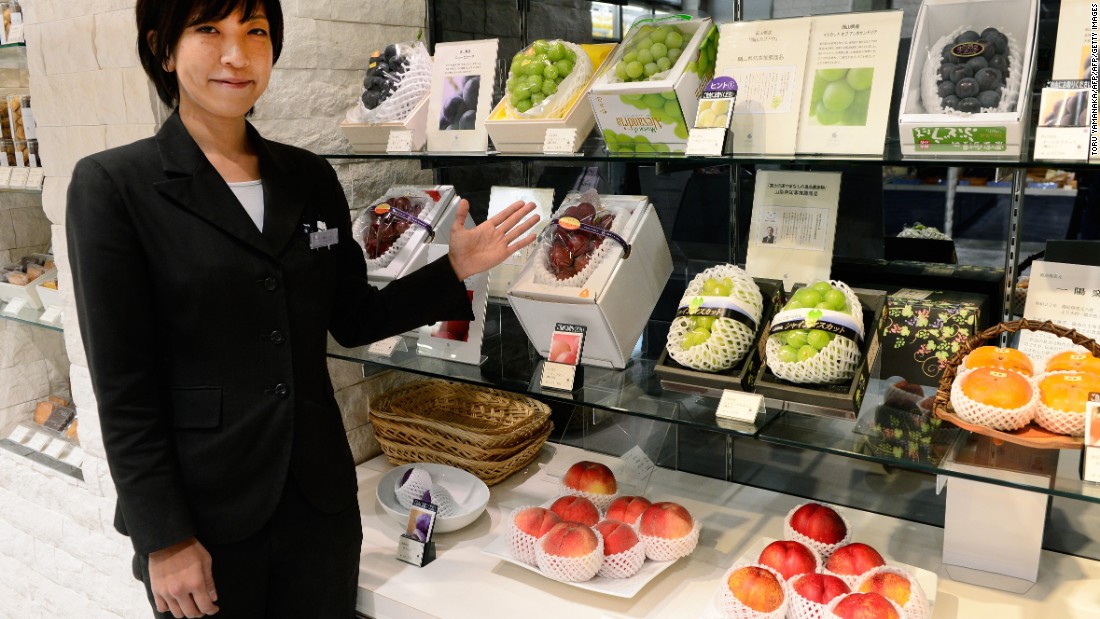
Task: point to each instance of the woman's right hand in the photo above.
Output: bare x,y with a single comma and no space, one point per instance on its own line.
182,581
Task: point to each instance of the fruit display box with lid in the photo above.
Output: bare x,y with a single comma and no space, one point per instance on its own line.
833,400
642,115
514,135
944,131
414,253
740,377
616,299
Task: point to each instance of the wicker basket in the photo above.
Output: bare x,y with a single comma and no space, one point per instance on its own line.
1031,435
489,433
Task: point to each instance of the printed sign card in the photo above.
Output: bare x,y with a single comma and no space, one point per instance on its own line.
461,95
849,82
562,371
768,60
1090,459
457,340
501,276
415,546
1065,294
793,226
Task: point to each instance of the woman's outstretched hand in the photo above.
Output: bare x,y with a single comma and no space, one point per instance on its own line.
491,242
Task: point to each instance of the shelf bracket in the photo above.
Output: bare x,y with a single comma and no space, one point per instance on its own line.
1012,257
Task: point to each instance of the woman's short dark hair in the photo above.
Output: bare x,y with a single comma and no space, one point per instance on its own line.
167,19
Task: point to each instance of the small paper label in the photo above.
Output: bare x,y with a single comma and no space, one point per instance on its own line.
410,550
20,434
557,141
324,239
638,465
19,177
5,176
560,376
52,315
386,347
706,142
400,141
956,139
35,178
15,306
38,441
740,406
75,457
54,448
15,33
1090,459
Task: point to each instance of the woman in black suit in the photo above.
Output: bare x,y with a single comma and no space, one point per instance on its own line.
206,286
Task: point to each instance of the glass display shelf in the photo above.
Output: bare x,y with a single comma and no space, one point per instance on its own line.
31,316
512,364
46,447
592,150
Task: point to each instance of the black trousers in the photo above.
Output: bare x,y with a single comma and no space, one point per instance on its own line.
303,564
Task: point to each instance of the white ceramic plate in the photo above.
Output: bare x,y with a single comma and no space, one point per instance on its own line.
471,494
618,587
927,580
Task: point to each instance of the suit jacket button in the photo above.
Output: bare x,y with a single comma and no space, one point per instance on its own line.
281,390
271,283
277,337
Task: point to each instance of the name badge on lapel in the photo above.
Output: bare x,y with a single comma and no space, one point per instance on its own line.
323,237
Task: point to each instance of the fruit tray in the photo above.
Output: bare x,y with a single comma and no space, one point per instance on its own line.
928,581
1030,435
616,587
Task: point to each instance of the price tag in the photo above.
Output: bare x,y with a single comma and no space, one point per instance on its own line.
15,306
20,434
1090,459
706,142
5,176
400,141
35,178
19,177
52,315
15,33
560,376
559,141
54,448
415,545
75,457
38,441
638,465
740,406
386,347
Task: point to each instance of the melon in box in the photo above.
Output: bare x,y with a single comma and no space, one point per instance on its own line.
523,135
613,299
925,125
645,91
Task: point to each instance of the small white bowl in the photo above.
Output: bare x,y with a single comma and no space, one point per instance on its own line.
471,494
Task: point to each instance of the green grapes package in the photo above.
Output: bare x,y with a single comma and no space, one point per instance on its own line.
545,77
397,78
817,335
716,324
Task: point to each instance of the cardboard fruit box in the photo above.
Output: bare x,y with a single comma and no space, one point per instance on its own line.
741,377
367,138
649,116
520,135
992,134
840,400
924,328
616,300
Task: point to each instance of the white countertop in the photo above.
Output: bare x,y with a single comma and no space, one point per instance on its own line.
463,582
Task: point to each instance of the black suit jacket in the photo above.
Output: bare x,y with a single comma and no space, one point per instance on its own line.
206,339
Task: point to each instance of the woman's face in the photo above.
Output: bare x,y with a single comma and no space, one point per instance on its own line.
223,67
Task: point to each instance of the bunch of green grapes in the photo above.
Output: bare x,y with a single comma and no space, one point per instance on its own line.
703,325
537,72
703,65
625,144
803,344
663,106
841,96
654,49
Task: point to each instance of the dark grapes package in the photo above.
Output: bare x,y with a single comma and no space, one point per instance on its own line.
396,228
601,262
649,87
396,84
968,78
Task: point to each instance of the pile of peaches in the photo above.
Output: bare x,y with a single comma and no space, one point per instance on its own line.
590,531
815,572
1001,388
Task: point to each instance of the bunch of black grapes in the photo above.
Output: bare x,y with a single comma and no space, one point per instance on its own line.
459,113
383,76
973,71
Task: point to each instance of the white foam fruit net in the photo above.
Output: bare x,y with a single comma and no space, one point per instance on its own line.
729,340
555,105
521,544
624,564
930,75
835,363
541,265
570,569
1057,421
736,609
439,496
415,84
799,607
972,411
416,484
822,549
916,607
360,228
833,604
666,549
601,501
849,579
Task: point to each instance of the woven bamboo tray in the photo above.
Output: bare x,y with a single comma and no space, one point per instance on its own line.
1030,435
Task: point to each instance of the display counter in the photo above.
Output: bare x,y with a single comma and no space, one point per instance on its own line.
464,582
